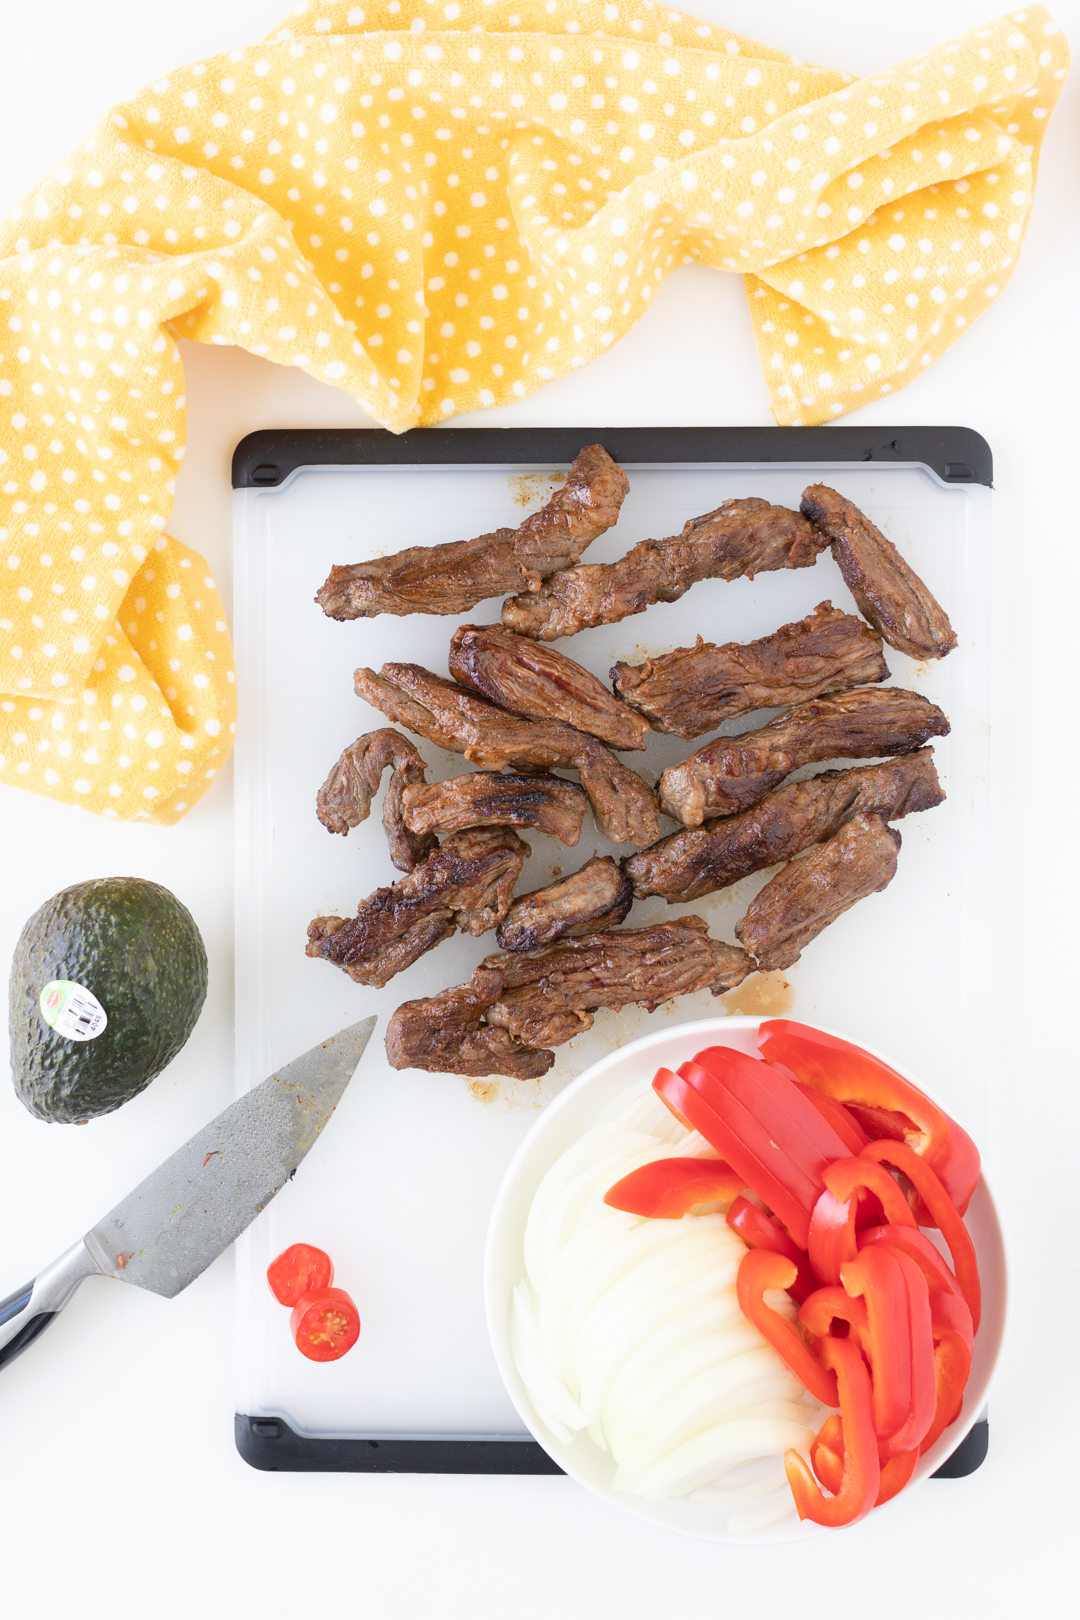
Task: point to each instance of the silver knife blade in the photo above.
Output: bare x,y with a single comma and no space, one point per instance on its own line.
188,1210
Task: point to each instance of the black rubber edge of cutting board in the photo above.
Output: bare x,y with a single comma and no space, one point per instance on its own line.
265,459
268,1443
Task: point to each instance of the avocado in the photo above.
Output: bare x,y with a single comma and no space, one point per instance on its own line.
137,950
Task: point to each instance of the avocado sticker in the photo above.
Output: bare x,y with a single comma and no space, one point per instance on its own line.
72,1010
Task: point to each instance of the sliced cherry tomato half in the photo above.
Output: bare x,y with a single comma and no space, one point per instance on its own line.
298,1270
325,1324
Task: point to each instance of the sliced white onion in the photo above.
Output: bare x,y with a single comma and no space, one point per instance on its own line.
608,1364
713,1453
547,1393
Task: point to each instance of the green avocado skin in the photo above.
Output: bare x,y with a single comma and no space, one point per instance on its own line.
137,948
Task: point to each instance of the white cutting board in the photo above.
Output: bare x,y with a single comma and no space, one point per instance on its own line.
399,1187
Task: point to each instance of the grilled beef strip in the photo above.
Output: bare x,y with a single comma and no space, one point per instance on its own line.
798,903
532,999
597,896
695,689
530,679
466,883
549,804
733,773
700,860
889,593
624,807
452,578
744,537
549,995
447,1034
344,800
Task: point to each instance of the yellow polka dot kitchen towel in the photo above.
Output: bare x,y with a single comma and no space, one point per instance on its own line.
438,205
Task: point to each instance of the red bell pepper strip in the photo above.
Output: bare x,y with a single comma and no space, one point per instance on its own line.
825,1305
841,1119
910,1241
760,1269
882,1101
827,1457
775,1100
944,1211
952,1363
861,1478
667,1189
697,1099
923,1376
832,1236
759,1232
875,1277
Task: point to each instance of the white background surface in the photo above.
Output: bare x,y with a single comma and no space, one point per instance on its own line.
120,1491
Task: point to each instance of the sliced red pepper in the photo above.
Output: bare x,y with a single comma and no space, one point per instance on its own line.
945,1213
765,1134
760,1269
952,1363
668,1189
832,1236
882,1101
818,1313
923,1377
827,1457
910,1241
841,1119
861,1478
759,1232
875,1277
774,1099
692,1097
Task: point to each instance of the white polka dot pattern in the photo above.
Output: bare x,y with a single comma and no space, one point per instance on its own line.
439,206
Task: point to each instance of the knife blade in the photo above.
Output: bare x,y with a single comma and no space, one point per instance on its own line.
187,1211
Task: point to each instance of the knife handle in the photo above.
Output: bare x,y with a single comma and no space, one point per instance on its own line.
24,1314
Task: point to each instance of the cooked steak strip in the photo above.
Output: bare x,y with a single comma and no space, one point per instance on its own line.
466,883
597,896
733,773
802,900
528,678
549,995
491,799
344,800
744,537
695,689
700,860
889,593
452,578
623,806
447,1034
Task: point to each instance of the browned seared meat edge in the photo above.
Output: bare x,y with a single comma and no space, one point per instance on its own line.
547,996
466,883
530,679
447,1034
549,804
452,578
733,773
695,689
740,538
624,806
798,903
597,896
344,800
887,589
700,860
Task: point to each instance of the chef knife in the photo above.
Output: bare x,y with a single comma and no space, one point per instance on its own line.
188,1210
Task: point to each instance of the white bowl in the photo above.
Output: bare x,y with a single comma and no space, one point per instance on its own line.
561,1123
